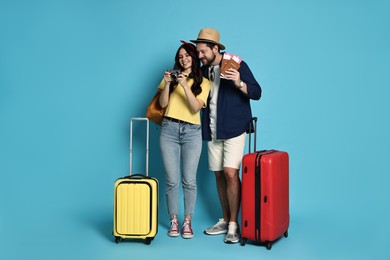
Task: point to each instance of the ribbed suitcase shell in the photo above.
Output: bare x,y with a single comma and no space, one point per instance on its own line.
265,196
136,207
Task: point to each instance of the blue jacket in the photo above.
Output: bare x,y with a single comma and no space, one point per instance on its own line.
233,106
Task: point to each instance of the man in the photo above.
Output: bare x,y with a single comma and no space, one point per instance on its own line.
225,122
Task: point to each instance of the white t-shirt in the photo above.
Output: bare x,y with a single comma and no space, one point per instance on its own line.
214,97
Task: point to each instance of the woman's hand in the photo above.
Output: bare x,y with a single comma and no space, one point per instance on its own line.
182,80
167,76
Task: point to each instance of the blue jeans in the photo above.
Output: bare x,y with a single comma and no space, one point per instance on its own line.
181,145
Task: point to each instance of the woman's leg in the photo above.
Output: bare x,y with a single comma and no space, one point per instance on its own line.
170,151
190,150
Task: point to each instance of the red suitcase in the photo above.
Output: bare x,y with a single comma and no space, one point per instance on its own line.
265,195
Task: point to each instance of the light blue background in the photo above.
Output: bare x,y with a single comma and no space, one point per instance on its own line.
72,73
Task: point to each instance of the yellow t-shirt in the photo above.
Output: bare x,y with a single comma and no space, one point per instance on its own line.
178,106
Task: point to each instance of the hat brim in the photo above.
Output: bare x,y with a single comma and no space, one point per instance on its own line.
221,47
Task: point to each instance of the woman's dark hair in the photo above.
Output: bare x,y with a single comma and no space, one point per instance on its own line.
196,73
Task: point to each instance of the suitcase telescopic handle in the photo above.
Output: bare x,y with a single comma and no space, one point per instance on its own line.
131,144
254,124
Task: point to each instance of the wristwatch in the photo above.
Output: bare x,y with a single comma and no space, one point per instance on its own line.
241,84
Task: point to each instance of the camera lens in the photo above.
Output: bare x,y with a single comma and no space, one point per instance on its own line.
175,74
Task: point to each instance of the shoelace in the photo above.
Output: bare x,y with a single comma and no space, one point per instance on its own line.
232,229
174,225
220,222
187,227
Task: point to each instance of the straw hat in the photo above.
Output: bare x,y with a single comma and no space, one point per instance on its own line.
209,35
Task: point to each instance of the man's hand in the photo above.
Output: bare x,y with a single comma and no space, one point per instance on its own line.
234,75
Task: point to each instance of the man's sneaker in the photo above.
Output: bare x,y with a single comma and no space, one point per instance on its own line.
173,228
186,231
221,227
233,235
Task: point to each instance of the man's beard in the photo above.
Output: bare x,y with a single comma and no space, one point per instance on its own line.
209,61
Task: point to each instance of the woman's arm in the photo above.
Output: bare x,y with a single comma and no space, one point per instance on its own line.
195,103
164,97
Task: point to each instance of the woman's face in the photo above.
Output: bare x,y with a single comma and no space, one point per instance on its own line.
185,60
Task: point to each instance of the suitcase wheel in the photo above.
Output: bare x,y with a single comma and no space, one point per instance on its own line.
269,245
117,239
243,241
286,234
148,240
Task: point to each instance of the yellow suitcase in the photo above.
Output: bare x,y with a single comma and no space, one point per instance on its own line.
136,201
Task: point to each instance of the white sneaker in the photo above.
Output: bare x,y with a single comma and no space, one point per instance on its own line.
233,235
221,227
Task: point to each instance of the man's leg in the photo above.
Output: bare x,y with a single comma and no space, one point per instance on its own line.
221,227
233,152
222,193
233,193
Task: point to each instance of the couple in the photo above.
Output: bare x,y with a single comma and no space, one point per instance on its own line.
224,122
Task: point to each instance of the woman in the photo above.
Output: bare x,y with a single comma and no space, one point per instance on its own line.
184,95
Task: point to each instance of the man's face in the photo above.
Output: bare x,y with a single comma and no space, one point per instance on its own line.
205,54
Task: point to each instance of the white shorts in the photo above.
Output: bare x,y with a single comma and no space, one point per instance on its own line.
226,153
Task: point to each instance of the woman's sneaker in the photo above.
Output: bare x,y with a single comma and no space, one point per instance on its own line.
186,231
233,235
221,227
173,228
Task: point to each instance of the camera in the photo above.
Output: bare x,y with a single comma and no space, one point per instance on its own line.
175,74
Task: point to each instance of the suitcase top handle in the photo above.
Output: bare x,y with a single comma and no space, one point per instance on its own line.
254,123
131,144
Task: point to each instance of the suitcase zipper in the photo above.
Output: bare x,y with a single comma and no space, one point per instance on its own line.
257,196
258,192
